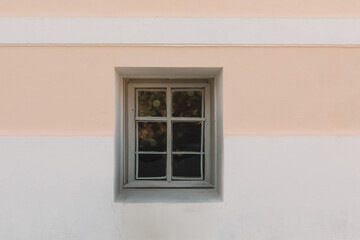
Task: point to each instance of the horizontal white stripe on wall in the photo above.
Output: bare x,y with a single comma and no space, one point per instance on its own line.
179,32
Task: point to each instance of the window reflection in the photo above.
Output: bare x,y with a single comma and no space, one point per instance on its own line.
152,165
186,103
186,165
151,103
152,136
187,136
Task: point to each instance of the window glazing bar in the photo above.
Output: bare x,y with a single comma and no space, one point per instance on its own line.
140,152
146,119
187,152
192,119
169,138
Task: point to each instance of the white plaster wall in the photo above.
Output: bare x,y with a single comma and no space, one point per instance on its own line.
275,188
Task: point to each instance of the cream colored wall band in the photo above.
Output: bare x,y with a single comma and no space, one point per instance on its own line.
178,32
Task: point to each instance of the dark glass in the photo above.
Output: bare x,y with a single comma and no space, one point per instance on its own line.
186,103
152,136
186,165
186,136
152,165
151,104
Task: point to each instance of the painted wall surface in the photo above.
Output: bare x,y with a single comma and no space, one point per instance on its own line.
182,8
267,90
284,188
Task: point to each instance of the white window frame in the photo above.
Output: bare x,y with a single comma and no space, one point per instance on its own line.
134,85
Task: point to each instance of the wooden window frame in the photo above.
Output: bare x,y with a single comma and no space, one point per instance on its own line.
134,85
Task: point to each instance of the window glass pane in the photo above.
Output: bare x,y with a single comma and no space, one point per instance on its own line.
186,165
186,103
151,104
186,136
152,165
152,136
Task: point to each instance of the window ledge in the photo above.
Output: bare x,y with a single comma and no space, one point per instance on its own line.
165,184
168,196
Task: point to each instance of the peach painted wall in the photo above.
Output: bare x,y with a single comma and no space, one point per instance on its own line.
267,90
182,8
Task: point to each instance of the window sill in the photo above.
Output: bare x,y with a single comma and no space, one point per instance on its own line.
137,195
165,184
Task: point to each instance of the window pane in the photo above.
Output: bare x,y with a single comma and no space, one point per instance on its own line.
186,103
152,165
152,136
187,136
151,104
186,165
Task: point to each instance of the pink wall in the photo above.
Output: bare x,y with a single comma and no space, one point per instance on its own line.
182,8
267,90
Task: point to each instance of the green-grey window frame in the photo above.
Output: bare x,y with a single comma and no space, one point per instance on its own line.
134,85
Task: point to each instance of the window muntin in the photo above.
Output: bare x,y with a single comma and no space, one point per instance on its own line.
170,122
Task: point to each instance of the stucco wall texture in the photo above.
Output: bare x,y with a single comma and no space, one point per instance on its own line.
182,8
267,90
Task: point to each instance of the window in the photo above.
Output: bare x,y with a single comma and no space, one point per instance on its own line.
169,133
